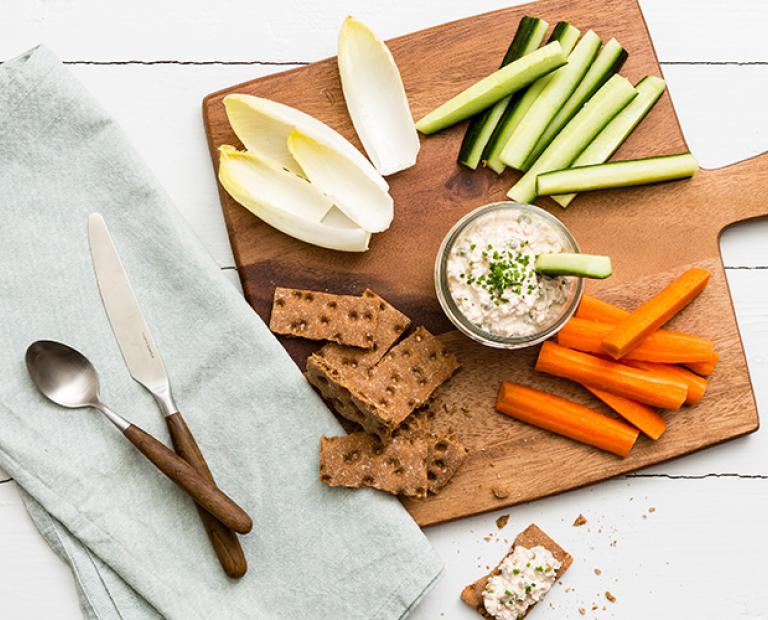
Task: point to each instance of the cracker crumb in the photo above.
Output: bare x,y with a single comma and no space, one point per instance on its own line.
582,611
501,522
487,538
595,607
580,520
652,509
500,491
645,516
613,543
598,572
610,597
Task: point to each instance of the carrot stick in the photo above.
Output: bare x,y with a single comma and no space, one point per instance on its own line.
652,314
661,346
640,385
637,414
704,368
595,309
563,417
696,385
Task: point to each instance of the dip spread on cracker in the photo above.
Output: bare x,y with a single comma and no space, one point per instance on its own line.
492,278
524,577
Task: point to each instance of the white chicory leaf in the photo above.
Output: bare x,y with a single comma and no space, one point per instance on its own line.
237,173
275,186
263,126
353,192
376,99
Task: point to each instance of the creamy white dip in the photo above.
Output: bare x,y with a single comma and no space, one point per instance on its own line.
526,576
492,278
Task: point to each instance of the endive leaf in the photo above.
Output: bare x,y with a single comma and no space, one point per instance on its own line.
376,100
353,192
263,126
275,186
333,232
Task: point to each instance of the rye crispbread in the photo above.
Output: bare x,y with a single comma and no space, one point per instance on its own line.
389,327
361,460
345,319
400,383
532,536
445,452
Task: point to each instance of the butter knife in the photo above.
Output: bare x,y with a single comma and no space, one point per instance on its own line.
146,366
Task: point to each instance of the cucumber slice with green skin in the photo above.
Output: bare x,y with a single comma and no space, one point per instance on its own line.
608,61
560,86
529,35
565,34
619,174
605,144
616,93
583,265
494,87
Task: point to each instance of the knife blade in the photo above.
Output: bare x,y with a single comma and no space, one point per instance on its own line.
131,330
146,366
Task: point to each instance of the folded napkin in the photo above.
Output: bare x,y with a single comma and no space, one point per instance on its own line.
134,541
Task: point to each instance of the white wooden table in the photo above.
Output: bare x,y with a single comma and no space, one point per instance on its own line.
686,539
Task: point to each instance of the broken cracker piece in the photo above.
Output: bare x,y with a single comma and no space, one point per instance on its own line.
404,380
345,319
531,537
580,520
502,521
353,360
360,460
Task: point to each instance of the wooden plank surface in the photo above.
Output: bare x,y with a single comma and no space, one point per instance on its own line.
639,228
664,565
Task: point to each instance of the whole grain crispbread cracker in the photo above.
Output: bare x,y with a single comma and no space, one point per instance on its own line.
532,536
389,327
345,319
446,452
400,383
361,460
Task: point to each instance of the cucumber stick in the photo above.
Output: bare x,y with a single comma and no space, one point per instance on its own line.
561,85
565,34
529,35
584,265
619,174
494,87
608,61
616,93
605,144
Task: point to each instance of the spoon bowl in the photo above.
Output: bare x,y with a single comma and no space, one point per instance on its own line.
63,374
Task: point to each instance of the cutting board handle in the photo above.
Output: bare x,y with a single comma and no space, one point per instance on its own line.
736,201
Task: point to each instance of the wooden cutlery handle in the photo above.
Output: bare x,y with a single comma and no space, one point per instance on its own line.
203,491
223,539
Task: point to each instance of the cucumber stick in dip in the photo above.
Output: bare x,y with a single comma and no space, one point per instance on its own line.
616,93
608,61
613,135
529,35
494,87
583,265
562,84
619,174
565,34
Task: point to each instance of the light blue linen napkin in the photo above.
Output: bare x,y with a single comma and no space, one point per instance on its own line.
134,541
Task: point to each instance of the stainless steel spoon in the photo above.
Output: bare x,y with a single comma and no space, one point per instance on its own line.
66,377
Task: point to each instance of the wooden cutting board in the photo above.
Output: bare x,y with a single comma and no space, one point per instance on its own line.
652,235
